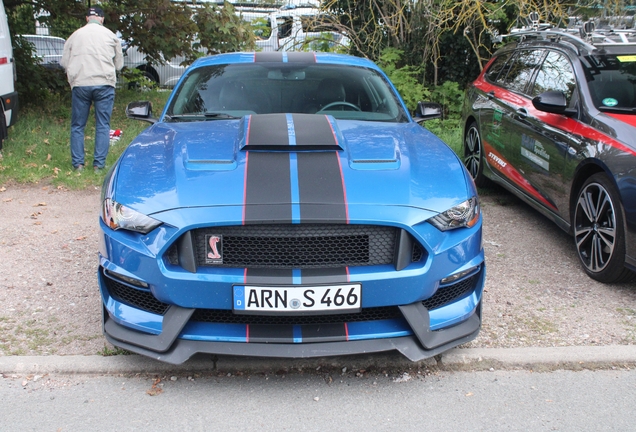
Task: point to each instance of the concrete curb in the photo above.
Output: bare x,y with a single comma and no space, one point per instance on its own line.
457,359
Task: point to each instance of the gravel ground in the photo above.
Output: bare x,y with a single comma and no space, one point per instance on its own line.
536,293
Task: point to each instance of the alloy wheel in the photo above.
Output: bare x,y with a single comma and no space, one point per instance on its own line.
472,152
595,227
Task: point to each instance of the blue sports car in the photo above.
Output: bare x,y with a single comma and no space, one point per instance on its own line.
288,205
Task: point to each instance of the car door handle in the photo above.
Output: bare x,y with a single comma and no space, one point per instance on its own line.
521,113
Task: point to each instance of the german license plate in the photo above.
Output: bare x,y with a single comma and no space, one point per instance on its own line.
295,299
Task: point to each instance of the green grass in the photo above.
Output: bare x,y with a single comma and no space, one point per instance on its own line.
449,131
109,352
38,147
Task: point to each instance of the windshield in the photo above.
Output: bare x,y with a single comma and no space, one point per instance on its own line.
612,82
227,91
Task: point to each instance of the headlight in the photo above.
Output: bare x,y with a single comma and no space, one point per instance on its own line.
463,215
118,216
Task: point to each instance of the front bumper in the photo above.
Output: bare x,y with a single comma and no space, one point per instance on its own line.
167,346
176,333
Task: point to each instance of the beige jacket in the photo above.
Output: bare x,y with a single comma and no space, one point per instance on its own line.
92,54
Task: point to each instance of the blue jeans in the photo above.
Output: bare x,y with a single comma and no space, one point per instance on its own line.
103,98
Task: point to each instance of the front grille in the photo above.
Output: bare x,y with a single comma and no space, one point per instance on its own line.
137,298
300,246
227,317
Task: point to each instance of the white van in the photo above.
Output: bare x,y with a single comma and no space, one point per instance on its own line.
294,28
8,95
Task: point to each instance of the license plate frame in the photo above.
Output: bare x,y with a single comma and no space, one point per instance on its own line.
297,299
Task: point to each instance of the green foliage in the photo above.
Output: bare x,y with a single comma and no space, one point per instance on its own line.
449,131
162,29
326,42
137,79
451,97
35,82
462,66
261,28
404,77
221,30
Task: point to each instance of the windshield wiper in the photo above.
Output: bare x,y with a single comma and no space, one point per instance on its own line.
219,115
196,116
617,109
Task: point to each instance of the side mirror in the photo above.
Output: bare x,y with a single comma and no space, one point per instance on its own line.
553,102
427,111
141,110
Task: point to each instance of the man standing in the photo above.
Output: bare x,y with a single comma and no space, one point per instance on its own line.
92,55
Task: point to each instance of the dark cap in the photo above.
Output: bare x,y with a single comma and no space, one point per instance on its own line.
95,11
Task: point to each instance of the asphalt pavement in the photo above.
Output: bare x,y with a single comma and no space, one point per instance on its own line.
458,359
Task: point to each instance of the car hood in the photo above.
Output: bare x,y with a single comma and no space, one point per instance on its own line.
279,160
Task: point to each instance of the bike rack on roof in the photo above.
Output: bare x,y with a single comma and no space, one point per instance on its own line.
583,37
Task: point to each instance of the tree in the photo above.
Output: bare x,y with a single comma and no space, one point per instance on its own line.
162,29
431,31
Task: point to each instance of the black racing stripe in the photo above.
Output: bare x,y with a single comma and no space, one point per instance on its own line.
269,56
268,130
268,188
301,57
271,333
314,131
323,276
268,276
323,332
320,188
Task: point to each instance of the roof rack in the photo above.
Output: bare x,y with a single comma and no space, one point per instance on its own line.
583,36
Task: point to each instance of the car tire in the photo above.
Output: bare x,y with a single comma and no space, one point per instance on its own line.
4,133
599,230
149,74
473,155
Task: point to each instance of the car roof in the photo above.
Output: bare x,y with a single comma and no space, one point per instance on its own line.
584,39
285,57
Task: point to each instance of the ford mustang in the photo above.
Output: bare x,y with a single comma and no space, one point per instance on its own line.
289,205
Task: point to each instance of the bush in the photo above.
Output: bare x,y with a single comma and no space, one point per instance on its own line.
35,83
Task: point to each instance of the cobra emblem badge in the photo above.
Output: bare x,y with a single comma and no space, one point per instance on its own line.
214,249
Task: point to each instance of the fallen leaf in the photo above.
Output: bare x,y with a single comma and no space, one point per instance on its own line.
46,141
42,204
7,200
469,394
81,238
2,189
154,391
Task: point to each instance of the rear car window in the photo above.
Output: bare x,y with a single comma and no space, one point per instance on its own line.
520,69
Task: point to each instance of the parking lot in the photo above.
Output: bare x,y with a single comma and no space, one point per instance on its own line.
536,293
